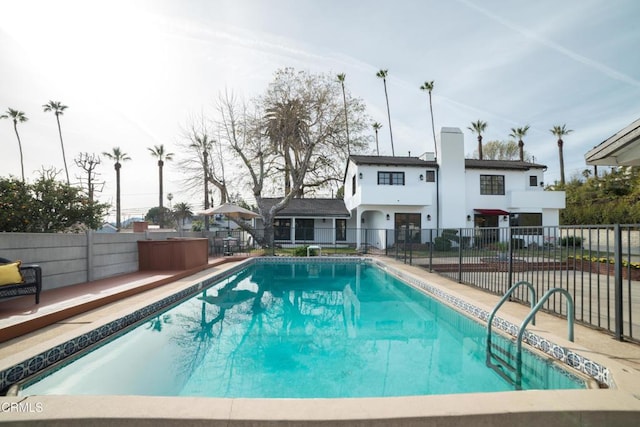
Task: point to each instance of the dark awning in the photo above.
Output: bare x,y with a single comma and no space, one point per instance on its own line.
491,211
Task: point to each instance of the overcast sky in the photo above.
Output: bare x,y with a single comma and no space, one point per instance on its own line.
132,73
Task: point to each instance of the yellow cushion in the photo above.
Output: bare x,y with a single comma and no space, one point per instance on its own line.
10,274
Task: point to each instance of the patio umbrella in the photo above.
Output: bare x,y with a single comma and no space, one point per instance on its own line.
230,211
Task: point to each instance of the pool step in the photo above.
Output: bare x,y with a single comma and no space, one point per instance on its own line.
502,360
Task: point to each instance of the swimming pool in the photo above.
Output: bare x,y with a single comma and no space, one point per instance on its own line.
298,329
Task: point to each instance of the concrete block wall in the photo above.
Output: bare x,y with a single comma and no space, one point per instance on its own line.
113,254
63,257
68,259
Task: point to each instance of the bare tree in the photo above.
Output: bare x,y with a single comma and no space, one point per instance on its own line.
88,163
203,153
502,150
294,135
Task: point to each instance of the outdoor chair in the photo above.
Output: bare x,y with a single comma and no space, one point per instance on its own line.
18,279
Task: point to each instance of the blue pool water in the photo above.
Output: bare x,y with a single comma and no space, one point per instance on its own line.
300,331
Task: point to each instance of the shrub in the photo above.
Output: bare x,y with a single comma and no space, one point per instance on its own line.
571,241
442,244
300,251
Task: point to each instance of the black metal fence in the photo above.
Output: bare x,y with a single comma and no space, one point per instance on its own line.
598,265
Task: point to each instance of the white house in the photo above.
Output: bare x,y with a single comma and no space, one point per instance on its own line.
410,194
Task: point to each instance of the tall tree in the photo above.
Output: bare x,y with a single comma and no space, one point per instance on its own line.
502,150
17,116
159,152
182,211
296,129
203,163
88,163
383,75
341,78
48,206
204,144
117,156
286,124
518,134
559,132
58,109
428,87
376,127
478,127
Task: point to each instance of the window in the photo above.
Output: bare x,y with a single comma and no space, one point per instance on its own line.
431,176
304,229
353,185
390,178
282,229
531,223
533,181
492,184
341,230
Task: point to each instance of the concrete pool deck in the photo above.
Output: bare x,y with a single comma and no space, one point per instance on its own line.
619,406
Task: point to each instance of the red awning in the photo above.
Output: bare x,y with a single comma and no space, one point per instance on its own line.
491,211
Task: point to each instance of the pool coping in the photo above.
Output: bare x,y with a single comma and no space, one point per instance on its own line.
524,409
615,406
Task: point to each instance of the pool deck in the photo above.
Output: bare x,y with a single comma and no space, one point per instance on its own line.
71,311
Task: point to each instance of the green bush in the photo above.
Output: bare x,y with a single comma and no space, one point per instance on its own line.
442,244
571,241
300,251
46,206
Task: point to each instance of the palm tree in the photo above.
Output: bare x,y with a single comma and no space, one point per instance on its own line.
428,86
341,78
559,132
376,128
17,116
159,152
519,133
478,127
182,212
58,110
286,126
118,156
203,145
383,75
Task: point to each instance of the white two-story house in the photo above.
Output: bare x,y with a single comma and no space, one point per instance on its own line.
393,198
412,194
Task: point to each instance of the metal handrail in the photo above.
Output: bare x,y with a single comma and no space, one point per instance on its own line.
530,316
532,292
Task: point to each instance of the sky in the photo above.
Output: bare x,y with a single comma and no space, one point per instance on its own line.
133,73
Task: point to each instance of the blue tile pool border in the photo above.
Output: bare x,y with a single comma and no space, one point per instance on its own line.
48,358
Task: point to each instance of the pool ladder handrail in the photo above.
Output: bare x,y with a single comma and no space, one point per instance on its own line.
530,316
532,292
